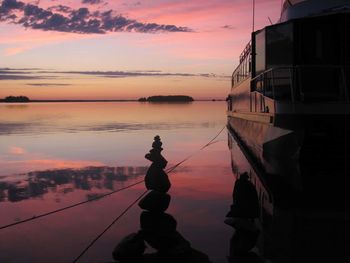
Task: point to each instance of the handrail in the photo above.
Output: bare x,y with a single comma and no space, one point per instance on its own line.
245,51
300,66
286,82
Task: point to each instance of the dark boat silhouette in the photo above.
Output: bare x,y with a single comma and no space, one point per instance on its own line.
289,111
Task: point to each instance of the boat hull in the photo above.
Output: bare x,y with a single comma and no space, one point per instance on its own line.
293,227
308,160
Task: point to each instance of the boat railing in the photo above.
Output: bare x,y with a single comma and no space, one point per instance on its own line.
306,83
247,50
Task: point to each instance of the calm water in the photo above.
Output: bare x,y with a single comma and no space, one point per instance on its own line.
56,154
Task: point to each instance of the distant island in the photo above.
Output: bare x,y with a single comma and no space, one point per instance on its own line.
170,98
159,98
15,99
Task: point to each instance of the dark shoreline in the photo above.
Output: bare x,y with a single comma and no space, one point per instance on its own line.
48,101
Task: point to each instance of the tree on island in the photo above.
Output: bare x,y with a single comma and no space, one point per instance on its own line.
170,98
142,99
16,99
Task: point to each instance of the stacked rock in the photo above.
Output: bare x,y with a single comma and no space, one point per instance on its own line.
156,179
158,228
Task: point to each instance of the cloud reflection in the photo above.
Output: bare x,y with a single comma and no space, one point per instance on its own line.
17,150
38,183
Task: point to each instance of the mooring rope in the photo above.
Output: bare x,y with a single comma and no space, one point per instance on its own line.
70,206
108,227
169,170
212,141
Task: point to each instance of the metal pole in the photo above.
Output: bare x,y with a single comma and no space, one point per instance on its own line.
253,15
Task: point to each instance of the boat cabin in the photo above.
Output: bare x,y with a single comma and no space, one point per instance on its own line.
299,61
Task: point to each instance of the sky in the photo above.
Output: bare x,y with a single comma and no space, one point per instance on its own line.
99,49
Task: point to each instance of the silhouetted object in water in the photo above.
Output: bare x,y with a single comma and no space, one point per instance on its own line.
249,257
192,256
130,249
156,178
244,208
157,222
155,201
154,154
244,238
245,199
158,229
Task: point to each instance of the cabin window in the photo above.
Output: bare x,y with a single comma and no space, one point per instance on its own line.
346,39
279,45
320,42
260,52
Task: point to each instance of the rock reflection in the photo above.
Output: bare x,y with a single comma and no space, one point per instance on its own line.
158,229
38,183
288,228
242,215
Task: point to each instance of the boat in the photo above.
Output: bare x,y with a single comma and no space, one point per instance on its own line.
289,112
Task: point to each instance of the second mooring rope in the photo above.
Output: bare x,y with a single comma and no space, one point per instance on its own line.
169,170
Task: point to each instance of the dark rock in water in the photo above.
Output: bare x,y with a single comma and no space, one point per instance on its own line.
157,179
130,248
155,201
154,154
243,241
245,199
242,224
175,245
157,222
157,144
197,257
250,257
156,158
191,256
167,243
159,231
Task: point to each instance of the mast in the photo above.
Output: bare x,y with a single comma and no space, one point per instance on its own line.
253,15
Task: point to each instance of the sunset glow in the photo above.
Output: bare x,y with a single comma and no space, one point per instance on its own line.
124,50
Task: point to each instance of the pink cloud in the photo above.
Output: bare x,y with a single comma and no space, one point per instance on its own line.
21,40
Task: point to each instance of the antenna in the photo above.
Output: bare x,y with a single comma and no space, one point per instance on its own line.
253,15
270,20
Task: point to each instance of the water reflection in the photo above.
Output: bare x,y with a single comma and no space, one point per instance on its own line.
289,228
48,118
196,205
38,183
241,216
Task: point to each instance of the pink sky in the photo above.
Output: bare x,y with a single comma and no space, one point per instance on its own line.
180,39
